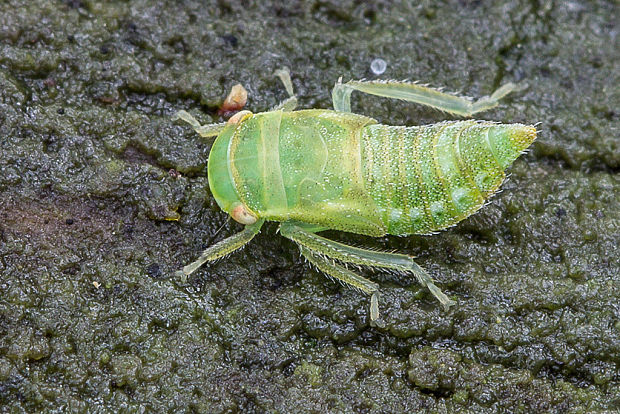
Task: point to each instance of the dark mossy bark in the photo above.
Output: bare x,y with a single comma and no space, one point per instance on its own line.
103,197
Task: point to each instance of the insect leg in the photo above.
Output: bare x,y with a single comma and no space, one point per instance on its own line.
412,92
341,96
210,130
363,257
222,248
345,276
339,272
290,103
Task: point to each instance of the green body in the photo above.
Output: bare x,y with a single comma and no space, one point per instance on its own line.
343,171
315,170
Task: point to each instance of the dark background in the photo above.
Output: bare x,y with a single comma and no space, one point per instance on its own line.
93,222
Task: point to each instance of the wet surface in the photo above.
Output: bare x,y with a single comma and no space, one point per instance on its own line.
103,197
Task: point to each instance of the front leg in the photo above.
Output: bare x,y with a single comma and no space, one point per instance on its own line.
210,130
222,248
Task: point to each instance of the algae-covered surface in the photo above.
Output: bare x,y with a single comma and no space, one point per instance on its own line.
103,197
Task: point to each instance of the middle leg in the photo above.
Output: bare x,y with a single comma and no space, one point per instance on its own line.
290,103
345,276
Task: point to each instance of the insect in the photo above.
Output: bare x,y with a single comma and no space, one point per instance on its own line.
318,169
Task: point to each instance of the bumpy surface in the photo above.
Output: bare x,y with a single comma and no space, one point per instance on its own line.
427,178
94,175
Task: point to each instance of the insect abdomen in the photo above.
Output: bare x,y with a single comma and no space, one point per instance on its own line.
427,178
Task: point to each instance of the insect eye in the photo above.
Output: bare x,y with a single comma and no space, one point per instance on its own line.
238,117
241,214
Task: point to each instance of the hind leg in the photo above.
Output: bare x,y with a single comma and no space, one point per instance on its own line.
411,92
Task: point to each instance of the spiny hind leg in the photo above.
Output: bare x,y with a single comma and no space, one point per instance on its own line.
345,276
412,92
209,130
290,103
222,248
362,257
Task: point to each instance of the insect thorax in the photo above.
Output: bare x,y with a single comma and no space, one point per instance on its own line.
304,166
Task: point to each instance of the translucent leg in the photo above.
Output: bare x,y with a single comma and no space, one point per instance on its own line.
338,272
222,248
290,103
210,130
411,92
345,276
362,257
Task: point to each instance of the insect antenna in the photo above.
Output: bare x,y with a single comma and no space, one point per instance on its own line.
220,229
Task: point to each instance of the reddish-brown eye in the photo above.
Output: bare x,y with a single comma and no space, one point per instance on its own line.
242,215
236,118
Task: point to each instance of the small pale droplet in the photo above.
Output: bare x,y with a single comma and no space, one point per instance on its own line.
378,66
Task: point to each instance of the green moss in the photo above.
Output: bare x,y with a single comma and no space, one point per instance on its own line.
311,372
92,169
